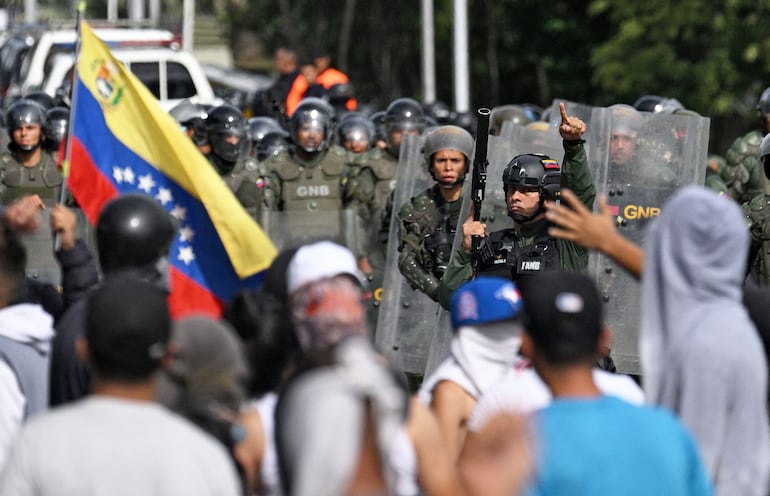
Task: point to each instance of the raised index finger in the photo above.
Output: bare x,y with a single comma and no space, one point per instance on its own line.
563,111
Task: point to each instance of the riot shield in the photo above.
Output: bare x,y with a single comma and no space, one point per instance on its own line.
407,317
670,151
294,228
581,110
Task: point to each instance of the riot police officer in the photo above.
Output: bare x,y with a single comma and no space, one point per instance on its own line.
263,133
55,128
428,221
628,163
302,186
355,133
757,213
529,181
226,134
369,191
744,171
26,167
226,131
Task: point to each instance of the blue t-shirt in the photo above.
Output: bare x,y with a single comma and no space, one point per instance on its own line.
601,446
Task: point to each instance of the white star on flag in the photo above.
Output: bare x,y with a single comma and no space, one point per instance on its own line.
146,183
179,212
128,175
186,234
117,173
164,196
186,255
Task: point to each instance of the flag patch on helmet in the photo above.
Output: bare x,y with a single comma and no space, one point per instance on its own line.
550,164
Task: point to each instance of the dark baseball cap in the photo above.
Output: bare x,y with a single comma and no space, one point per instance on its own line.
563,315
127,327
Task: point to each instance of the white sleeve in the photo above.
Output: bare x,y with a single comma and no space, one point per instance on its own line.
12,411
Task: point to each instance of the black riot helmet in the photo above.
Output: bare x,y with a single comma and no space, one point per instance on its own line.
257,128
24,112
647,103
55,128
223,124
439,111
133,232
271,144
355,126
402,115
41,98
504,113
533,170
312,113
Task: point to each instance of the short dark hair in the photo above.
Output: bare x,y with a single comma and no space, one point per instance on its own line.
127,327
563,316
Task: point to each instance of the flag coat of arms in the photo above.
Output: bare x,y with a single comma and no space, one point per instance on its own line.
123,142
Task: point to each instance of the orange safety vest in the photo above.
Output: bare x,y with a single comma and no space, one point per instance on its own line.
331,76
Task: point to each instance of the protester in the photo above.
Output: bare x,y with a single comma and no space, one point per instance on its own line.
640,450
691,311
485,345
118,440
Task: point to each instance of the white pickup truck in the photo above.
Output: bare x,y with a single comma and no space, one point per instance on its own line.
171,75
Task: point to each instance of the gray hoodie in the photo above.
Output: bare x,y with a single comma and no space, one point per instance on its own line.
701,355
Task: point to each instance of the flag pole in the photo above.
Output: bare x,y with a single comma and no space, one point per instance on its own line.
65,166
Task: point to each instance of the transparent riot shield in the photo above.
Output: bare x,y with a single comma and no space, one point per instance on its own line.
294,228
669,151
407,317
493,214
581,110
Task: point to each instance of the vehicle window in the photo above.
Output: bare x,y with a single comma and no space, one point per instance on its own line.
149,74
180,83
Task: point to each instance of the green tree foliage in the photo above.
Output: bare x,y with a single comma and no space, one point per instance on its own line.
711,55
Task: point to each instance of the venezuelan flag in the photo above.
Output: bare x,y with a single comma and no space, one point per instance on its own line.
123,142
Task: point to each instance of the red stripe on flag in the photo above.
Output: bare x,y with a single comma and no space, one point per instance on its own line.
188,297
86,182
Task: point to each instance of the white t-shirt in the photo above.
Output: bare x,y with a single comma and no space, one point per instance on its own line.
105,445
522,391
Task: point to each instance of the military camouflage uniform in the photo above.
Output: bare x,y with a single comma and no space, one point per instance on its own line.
244,181
757,213
746,179
368,190
527,248
427,227
717,180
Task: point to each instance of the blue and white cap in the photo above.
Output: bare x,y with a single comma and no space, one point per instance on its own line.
485,300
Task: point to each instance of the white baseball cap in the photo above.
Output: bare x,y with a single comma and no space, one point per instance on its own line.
321,260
